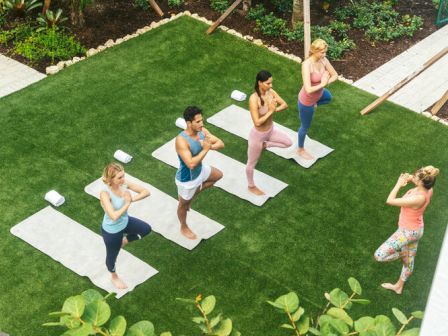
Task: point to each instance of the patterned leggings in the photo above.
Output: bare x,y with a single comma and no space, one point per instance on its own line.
401,240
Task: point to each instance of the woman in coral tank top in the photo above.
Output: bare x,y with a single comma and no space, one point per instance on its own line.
403,243
317,73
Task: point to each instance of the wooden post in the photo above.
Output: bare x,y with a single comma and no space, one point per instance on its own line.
223,16
436,108
402,83
306,28
156,7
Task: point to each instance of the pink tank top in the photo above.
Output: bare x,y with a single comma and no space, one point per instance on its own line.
412,219
309,99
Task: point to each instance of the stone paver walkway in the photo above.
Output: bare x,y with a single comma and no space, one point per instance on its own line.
424,90
14,76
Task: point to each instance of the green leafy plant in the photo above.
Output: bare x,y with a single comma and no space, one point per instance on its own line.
283,6
18,33
50,19
175,3
219,5
143,4
335,319
256,12
88,314
21,7
217,325
270,25
50,43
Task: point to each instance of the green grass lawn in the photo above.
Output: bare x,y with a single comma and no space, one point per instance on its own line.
61,132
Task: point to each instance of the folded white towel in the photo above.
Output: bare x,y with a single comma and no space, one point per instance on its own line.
181,123
54,198
122,156
238,95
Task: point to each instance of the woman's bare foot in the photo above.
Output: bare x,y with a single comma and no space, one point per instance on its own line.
304,154
188,233
124,242
256,191
396,288
118,282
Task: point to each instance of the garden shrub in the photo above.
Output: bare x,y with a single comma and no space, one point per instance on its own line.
19,33
379,20
270,25
175,3
143,4
219,5
50,43
256,12
283,6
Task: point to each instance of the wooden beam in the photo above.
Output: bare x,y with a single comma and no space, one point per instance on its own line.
223,16
402,83
436,108
306,29
156,7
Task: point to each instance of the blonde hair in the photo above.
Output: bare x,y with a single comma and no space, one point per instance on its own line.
317,45
110,171
427,175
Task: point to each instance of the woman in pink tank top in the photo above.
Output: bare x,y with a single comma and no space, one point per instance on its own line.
263,104
317,73
404,242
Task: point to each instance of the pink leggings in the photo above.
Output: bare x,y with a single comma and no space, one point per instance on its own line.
271,138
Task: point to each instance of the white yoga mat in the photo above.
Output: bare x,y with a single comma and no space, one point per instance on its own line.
237,120
160,210
436,308
80,249
234,174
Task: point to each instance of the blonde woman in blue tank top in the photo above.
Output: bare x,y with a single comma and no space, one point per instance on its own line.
118,228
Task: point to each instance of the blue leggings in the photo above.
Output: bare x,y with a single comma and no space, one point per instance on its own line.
306,115
136,229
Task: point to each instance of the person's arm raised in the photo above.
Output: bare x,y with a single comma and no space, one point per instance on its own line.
282,105
331,71
184,152
141,192
414,202
215,142
109,209
306,78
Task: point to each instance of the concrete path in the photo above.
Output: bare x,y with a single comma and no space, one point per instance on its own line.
424,90
14,76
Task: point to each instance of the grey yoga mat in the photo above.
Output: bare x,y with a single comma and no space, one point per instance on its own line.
80,249
234,174
160,211
237,120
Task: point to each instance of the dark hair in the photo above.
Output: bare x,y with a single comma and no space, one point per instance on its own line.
190,112
427,175
262,76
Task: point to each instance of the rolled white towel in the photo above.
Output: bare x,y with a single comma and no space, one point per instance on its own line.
181,123
54,198
238,95
122,156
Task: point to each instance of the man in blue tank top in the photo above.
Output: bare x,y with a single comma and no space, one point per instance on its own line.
192,145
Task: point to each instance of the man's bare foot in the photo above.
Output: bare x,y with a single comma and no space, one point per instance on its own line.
304,154
188,233
124,242
397,289
256,191
118,282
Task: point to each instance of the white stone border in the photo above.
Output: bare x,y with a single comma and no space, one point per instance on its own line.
51,70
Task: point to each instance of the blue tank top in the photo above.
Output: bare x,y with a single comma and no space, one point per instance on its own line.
185,174
110,225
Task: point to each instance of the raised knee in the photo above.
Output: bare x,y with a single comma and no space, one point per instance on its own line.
219,175
377,257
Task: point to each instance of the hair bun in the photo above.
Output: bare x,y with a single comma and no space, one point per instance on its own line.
431,171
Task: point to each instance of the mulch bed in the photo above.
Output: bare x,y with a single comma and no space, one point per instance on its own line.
111,19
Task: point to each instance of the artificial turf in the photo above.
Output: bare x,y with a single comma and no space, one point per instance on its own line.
322,229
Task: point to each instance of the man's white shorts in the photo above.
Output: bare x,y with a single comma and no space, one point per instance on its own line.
186,190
